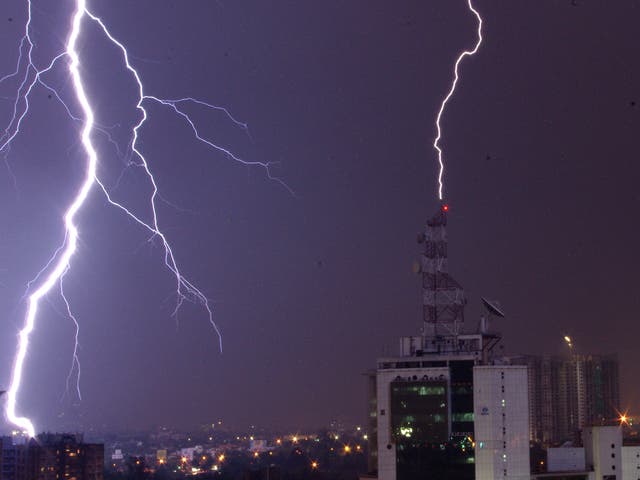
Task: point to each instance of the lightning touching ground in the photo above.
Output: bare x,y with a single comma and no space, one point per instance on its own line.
52,274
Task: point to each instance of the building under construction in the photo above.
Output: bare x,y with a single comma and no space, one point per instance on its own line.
568,393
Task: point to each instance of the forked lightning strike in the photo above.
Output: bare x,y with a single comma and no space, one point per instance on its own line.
59,265
436,142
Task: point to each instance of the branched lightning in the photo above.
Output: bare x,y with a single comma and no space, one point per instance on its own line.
436,142
75,360
53,273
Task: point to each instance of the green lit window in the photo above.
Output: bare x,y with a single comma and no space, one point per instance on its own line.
462,417
418,411
432,390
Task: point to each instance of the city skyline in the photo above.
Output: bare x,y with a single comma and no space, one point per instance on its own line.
308,289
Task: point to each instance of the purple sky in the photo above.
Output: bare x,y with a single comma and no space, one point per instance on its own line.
541,147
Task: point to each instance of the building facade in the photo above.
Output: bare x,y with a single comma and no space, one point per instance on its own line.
501,422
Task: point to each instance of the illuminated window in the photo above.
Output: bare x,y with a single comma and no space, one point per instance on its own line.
435,390
462,417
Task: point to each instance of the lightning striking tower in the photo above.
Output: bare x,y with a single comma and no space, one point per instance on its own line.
30,77
454,83
443,297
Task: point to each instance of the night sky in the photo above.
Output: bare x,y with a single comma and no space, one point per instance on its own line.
541,147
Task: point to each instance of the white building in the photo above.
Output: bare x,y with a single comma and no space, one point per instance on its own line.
501,420
603,451
476,414
630,462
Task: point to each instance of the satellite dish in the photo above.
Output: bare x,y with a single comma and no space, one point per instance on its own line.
492,307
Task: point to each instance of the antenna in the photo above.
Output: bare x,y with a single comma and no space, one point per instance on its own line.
491,338
493,310
443,297
492,307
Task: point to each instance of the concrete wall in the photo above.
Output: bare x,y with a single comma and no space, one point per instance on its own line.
631,463
565,459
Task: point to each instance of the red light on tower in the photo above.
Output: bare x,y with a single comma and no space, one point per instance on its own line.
445,208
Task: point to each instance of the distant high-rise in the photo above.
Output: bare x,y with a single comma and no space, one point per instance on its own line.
570,393
445,408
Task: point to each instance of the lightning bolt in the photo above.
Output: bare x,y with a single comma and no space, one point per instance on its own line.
59,264
436,142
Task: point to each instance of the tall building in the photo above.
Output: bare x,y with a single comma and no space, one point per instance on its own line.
445,407
570,393
52,457
17,461
64,456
